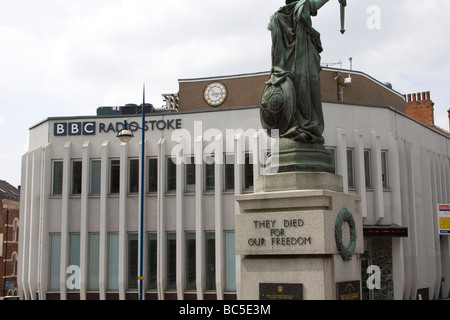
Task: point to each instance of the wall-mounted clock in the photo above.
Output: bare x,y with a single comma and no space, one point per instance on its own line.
215,94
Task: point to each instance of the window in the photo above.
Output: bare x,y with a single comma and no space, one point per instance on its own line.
264,154
210,173
57,177
93,267
332,152
96,169
132,261
210,260
229,172
190,175
350,169
14,264
171,175
248,172
76,176
152,175
151,260
55,259
113,261
133,176
74,259
114,176
171,261
367,166
74,249
190,261
384,169
15,230
230,262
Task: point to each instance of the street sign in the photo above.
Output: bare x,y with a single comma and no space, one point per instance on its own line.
9,285
444,219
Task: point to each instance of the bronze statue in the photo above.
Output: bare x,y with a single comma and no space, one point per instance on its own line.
292,100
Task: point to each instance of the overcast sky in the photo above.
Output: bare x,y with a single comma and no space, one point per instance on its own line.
68,57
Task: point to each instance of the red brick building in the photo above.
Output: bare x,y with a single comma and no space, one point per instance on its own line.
9,238
420,107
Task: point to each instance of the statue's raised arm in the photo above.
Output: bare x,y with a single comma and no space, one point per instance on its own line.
320,3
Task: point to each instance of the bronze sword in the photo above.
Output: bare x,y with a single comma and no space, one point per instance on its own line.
343,5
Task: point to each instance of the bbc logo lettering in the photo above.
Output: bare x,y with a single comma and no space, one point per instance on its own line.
74,128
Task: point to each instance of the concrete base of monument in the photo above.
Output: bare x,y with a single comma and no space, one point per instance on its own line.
318,276
298,230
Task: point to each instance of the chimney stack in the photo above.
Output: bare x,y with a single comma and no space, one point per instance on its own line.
448,118
420,107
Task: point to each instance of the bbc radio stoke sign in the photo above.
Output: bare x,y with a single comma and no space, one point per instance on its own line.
90,128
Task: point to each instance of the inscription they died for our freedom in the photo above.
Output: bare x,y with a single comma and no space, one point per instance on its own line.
276,233
283,233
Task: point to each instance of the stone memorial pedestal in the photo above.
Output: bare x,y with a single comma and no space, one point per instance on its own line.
298,231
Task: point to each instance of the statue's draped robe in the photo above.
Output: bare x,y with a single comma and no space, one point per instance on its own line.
296,49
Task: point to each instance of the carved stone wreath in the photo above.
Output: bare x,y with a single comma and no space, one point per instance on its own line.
345,252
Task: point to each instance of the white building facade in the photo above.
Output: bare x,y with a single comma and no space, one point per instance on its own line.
80,202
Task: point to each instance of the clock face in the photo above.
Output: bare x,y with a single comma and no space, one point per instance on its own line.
215,94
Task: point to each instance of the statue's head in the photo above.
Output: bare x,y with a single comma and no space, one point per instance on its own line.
290,1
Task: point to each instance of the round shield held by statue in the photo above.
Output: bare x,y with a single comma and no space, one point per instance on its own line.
277,106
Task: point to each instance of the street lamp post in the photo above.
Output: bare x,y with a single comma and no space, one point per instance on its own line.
125,136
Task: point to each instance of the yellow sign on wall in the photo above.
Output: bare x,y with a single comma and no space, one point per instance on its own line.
444,219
